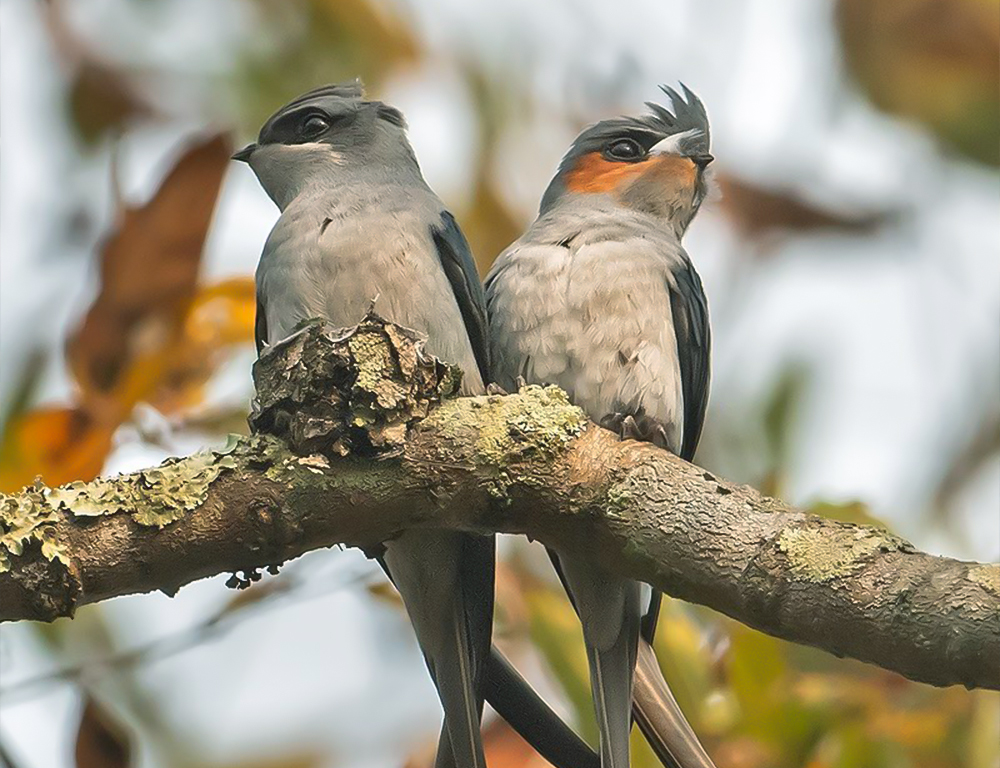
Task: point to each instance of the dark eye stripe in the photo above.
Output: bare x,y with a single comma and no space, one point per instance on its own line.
286,125
288,128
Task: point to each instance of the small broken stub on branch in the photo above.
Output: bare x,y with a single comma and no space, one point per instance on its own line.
341,391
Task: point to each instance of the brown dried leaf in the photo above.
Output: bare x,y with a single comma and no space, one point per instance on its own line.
102,99
149,269
100,95
758,212
100,741
148,335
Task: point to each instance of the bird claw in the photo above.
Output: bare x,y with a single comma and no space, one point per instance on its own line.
624,424
648,431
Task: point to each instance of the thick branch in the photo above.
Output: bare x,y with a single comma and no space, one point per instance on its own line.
527,463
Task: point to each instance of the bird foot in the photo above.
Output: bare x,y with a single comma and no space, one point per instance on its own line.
645,430
624,424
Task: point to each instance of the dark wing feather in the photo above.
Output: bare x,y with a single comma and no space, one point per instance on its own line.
460,267
260,325
690,315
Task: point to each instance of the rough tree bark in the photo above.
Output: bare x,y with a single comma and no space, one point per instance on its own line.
362,437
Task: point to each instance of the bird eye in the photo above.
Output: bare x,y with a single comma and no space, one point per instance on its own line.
314,125
624,149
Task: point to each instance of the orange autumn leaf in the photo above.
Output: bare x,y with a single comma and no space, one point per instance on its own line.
149,272
146,326
506,749
220,316
65,444
57,444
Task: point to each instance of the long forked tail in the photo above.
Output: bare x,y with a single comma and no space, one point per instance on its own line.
446,582
611,676
655,710
527,713
460,743
610,615
663,724
654,707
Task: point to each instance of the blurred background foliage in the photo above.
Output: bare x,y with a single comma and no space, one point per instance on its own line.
850,259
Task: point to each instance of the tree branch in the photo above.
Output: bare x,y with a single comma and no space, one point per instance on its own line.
373,443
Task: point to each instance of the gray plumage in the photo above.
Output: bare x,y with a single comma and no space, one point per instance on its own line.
583,300
359,226
599,297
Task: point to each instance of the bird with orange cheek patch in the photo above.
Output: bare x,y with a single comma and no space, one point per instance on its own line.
600,298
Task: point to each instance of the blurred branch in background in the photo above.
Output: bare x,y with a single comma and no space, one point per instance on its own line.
6,761
980,446
758,213
245,604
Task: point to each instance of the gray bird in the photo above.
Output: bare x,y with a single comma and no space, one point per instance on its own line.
360,225
600,298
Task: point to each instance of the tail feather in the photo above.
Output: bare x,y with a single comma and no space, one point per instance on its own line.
611,680
446,582
610,614
528,714
661,720
460,743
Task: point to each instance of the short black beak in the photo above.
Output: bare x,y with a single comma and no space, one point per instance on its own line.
244,154
702,161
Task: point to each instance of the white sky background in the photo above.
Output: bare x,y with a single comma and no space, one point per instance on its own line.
899,329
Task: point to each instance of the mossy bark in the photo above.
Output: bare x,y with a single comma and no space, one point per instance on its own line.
356,458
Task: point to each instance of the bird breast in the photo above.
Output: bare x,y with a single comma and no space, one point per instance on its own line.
593,318
322,262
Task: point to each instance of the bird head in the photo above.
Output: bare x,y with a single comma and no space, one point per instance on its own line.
655,163
322,136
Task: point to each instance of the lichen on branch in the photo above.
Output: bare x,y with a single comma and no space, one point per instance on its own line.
362,436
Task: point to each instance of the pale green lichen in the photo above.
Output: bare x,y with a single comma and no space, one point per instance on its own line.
824,553
376,368
619,500
986,576
177,487
26,518
154,497
350,478
535,420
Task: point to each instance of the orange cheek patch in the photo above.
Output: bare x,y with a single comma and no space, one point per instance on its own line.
593,174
